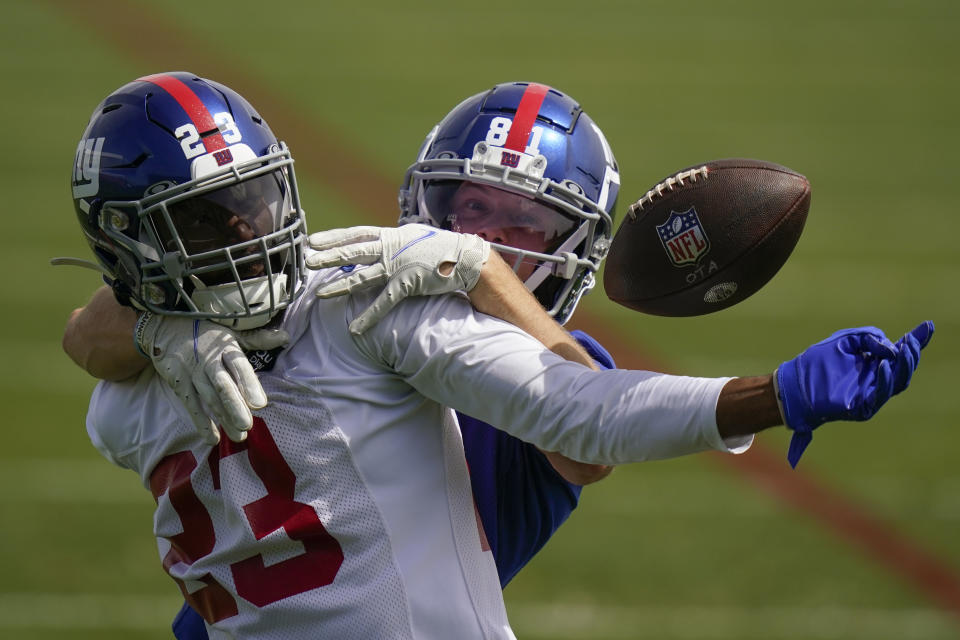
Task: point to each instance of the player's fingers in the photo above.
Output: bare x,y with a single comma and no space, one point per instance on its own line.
361,253
373,314
908,357
879,391
209,384
877,346
356,281
337,237
262,339
245,378
908,354
206,427
178,378
235,416
923,332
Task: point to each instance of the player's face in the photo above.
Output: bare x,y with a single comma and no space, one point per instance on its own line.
507,218
226,217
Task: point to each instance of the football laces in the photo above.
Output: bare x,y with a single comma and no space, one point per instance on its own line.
667,185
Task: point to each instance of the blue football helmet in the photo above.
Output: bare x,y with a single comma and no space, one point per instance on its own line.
524,167
189,202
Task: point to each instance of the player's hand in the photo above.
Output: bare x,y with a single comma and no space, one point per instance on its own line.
204,364
848,376
411,260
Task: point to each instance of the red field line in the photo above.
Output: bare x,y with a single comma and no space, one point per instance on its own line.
147,37
769,472
851,522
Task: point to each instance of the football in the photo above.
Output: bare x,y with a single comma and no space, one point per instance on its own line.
706,237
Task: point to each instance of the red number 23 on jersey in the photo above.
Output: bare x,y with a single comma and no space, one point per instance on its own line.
255,582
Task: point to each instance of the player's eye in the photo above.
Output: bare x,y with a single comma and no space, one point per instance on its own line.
473,208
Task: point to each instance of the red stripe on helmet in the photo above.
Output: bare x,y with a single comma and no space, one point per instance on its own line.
194,107
526,115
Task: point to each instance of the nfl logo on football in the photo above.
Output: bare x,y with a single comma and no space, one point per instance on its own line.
683,237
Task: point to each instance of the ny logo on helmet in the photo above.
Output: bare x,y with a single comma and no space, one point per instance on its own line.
508,159
224,156
86,168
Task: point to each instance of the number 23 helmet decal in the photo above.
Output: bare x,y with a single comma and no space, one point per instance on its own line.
524,167
189,201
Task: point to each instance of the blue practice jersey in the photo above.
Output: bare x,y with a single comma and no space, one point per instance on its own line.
521,499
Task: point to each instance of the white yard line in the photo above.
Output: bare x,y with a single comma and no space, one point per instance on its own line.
561,621
47,611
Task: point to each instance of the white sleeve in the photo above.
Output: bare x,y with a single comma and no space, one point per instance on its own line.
113,421
93,424
495,372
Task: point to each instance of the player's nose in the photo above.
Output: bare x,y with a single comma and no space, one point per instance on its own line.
493,234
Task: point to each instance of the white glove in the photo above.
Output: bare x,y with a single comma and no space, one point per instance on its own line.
413,260
203,361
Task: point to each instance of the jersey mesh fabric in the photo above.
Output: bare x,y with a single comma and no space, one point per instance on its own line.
315,450
367,456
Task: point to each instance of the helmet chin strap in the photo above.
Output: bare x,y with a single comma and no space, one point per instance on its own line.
566,269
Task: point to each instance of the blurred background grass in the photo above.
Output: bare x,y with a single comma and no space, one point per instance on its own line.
860,96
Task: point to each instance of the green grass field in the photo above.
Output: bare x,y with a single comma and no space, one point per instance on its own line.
860,96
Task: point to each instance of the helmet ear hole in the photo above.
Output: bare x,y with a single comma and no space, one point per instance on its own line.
159,187
573,186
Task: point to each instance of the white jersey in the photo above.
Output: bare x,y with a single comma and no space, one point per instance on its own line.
348,512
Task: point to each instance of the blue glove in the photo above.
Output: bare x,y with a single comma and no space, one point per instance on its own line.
848,376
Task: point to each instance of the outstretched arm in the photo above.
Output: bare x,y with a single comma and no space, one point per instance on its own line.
848,376
747,406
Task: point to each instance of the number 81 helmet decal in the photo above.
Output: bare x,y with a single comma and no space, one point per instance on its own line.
524,167
189,202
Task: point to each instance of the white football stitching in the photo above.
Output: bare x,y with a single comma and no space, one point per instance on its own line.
667,184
